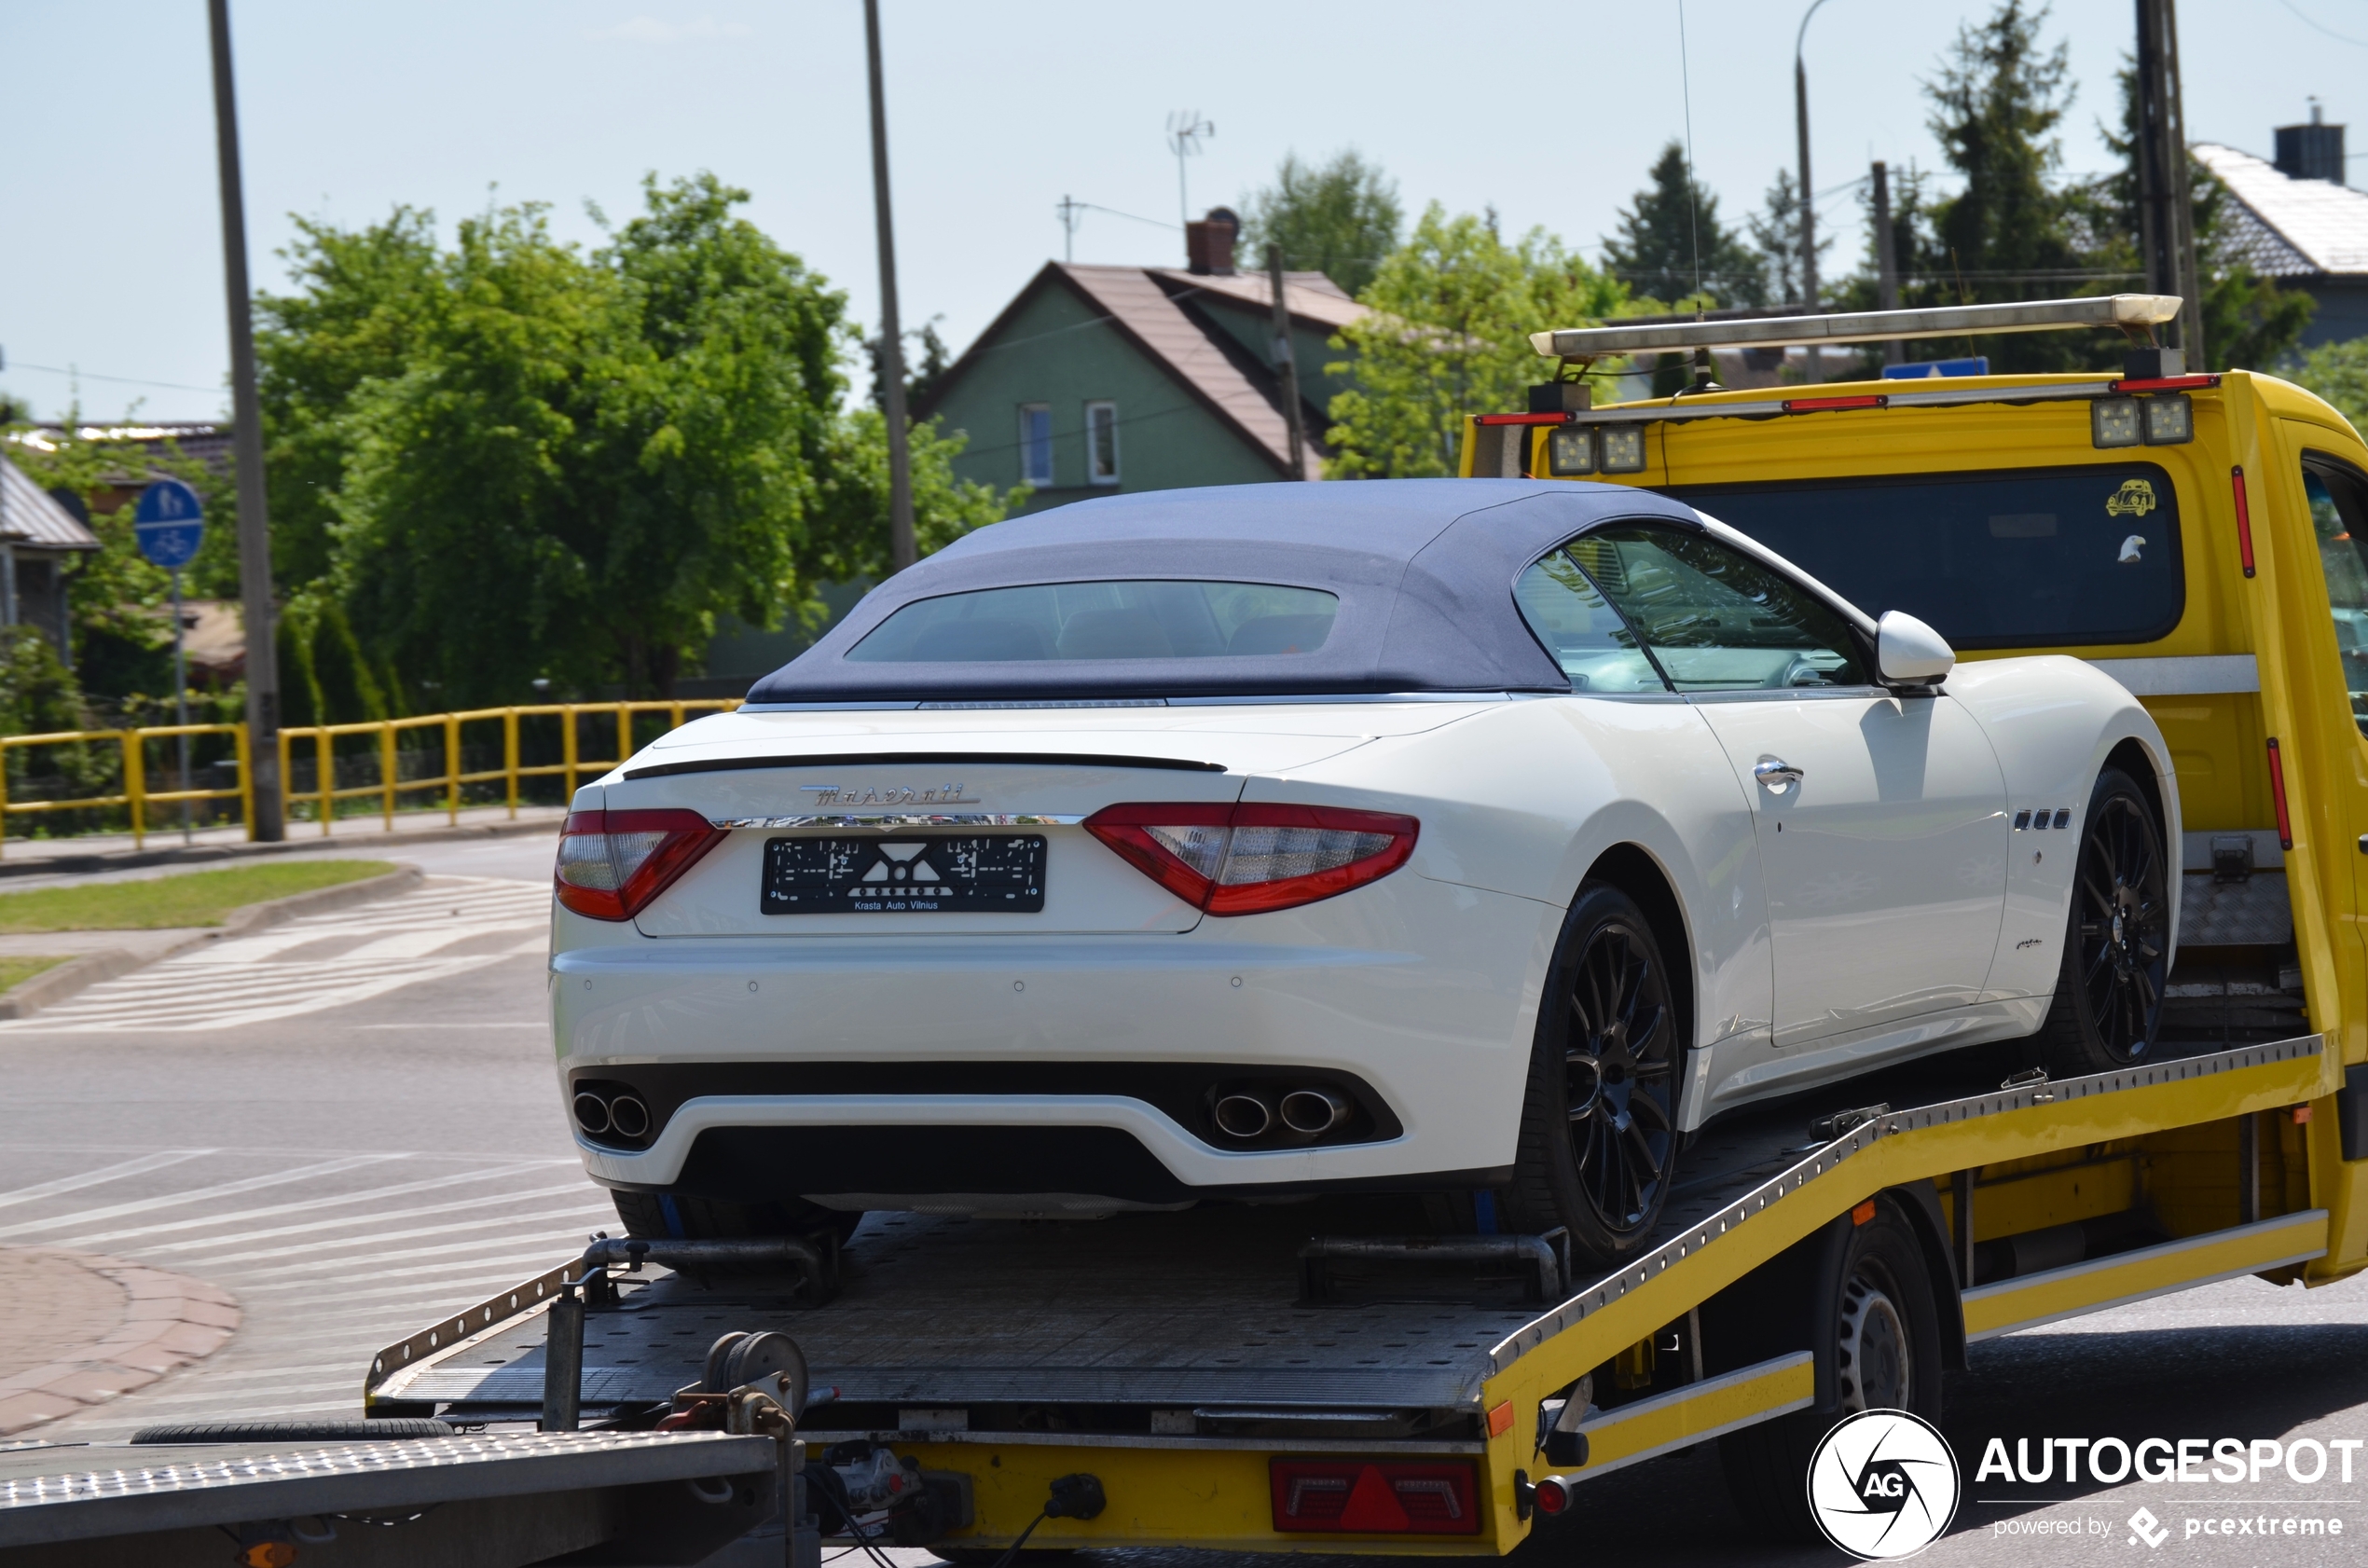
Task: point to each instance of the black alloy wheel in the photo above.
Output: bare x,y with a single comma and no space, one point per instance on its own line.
1599,1134
2109,996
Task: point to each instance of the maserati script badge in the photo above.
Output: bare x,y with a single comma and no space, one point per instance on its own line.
942,794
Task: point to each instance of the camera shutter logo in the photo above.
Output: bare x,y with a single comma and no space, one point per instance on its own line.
1882,1485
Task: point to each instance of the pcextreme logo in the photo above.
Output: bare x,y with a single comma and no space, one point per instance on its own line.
1882,1485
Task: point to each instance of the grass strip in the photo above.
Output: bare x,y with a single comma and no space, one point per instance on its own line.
13,971
197,898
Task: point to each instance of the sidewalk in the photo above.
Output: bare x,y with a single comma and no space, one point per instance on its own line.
82,1328
164,846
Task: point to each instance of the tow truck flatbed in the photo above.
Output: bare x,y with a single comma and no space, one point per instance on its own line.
1063,1345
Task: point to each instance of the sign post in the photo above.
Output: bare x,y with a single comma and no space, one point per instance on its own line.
170,525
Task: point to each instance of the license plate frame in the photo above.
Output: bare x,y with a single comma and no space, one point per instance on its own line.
904,874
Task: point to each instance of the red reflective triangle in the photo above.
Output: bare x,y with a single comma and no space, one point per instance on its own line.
1373,1505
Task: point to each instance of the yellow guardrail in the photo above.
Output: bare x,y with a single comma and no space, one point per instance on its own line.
137,800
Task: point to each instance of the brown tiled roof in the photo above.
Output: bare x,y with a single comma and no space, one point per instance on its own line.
1152,306
1311,295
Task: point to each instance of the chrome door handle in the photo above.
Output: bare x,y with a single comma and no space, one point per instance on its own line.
1775,775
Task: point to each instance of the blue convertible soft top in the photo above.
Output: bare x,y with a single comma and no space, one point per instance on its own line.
1423,569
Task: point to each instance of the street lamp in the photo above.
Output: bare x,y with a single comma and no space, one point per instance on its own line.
1816,370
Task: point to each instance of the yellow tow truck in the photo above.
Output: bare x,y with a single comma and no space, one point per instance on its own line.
1239,1380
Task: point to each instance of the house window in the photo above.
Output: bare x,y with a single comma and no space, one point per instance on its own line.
1101,443
1036,443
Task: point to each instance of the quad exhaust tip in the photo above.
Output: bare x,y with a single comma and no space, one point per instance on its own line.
625,1116
628,1117
1308,1112
1314,1112
1243,1116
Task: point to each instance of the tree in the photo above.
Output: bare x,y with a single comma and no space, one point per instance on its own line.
1339,218
2249,321
1449,337
1775,232
2338,372
1670,244
511,459
2008,233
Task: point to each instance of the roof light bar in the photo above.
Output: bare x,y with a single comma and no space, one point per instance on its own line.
2131,313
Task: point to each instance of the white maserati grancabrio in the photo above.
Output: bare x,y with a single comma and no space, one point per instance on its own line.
1246,843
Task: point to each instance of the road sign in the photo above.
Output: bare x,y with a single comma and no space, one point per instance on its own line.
169,523
1977,366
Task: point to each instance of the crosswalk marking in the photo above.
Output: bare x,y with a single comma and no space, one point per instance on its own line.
376,1238
140,1166
173,1200
330,1252
339,1199
291,969
378,1216
509,1245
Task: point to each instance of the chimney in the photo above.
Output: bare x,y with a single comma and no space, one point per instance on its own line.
1208,244
2313,151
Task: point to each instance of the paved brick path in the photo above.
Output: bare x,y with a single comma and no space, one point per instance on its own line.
76,1329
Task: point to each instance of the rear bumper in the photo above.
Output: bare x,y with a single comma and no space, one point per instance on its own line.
1425,991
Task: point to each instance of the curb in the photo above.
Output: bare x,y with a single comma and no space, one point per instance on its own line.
169,1320
51,986
197,854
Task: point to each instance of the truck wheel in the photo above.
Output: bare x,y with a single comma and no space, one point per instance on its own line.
2109,994
1599,1124
1884,1344
644,1215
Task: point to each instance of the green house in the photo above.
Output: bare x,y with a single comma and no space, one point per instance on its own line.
1104,379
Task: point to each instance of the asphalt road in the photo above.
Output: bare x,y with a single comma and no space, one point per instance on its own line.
357,1131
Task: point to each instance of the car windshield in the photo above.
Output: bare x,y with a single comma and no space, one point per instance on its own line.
1147,619
2044,557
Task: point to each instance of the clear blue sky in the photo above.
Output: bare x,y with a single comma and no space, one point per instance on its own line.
111,262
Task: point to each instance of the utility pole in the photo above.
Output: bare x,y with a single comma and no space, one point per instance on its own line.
1286,363
1815,368
2166,212
246,431
1886,261
902,551
1072,214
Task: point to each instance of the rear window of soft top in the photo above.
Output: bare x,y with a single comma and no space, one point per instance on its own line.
1133,619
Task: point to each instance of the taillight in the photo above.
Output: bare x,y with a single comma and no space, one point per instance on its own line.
1379,1497
1242,859
612,863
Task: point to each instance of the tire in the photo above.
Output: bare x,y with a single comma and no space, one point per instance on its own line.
1884,1344
253,1432
2109,993
1599,1142
644,1215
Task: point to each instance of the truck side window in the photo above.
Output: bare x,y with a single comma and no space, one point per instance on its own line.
2339,516
1713,619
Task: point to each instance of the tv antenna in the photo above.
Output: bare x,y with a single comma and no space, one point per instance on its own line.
1072,212
1186,131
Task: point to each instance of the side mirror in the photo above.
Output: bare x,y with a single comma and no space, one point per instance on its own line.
1908,653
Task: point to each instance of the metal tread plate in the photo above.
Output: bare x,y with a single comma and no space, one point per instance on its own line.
73,1492
1188,1307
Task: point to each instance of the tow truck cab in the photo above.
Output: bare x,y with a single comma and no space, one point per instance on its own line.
2203,538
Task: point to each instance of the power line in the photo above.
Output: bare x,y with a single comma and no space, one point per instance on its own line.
2341,38
121,381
